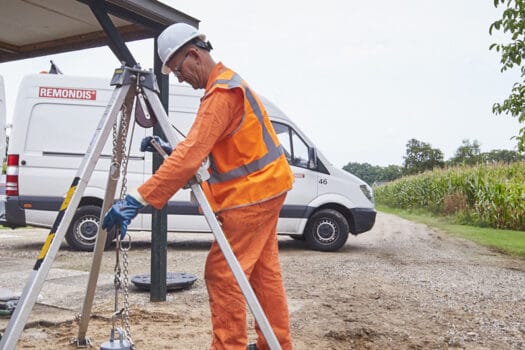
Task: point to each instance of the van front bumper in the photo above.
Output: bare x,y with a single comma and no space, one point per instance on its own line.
363,220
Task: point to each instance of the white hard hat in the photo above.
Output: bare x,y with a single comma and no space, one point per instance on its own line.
172,39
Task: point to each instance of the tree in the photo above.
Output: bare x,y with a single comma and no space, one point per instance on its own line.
372,174
391,172
366,172
467,154
512,54
420,156
502,155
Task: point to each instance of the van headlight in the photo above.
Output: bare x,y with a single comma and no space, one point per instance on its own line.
368,192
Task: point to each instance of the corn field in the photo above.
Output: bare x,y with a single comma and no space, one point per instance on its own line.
485,195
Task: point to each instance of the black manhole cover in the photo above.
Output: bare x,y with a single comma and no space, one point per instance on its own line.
174,280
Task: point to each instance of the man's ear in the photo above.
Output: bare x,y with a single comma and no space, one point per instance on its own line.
194,52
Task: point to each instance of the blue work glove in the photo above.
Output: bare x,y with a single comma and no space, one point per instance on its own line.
146,146
121,214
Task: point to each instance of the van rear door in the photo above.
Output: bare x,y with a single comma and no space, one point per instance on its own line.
3,117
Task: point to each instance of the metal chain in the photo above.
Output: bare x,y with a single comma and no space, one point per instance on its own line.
117,280
115,167
121,281
124,250
125,293
124,166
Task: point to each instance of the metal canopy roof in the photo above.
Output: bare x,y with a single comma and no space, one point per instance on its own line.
31,28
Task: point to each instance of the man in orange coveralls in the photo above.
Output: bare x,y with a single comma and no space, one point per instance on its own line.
249,178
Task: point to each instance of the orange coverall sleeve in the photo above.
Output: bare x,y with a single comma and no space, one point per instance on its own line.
219,114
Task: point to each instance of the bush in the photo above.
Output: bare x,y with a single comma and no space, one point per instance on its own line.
488,195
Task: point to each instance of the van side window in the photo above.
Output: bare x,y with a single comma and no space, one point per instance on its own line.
67,130
283,134
295,148
52,128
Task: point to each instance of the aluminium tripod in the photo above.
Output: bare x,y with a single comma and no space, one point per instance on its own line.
130,84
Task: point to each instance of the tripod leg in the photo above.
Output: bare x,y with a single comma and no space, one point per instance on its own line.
101,238
232,261
58,231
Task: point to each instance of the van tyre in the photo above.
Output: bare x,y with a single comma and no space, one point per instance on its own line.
82,232
327,230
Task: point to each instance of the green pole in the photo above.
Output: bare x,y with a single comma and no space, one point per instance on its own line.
159,218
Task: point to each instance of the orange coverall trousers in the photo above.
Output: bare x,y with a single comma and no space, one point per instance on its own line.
252,234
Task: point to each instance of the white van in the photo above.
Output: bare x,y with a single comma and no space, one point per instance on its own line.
2,119
55,117
2,146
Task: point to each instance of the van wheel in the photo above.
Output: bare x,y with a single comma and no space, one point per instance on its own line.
327,230
82,232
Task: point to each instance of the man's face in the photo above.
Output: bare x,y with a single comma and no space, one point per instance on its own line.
176,64
185,65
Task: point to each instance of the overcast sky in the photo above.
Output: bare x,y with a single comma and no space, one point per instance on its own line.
360,78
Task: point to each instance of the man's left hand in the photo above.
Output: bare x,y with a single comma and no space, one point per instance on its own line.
121,214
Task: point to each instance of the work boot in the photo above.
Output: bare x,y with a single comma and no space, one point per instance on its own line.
251,346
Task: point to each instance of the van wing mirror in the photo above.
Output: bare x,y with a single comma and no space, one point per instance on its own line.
312,158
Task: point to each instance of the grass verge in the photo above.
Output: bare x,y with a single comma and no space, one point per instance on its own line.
507,241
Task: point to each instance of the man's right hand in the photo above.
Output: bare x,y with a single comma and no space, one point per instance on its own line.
145,144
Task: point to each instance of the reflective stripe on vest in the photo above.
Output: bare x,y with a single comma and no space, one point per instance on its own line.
273,152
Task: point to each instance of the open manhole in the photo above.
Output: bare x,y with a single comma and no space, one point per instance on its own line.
174,280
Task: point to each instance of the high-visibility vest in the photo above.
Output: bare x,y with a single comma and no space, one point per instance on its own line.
249,165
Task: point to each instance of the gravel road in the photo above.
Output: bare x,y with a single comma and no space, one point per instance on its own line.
400,286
